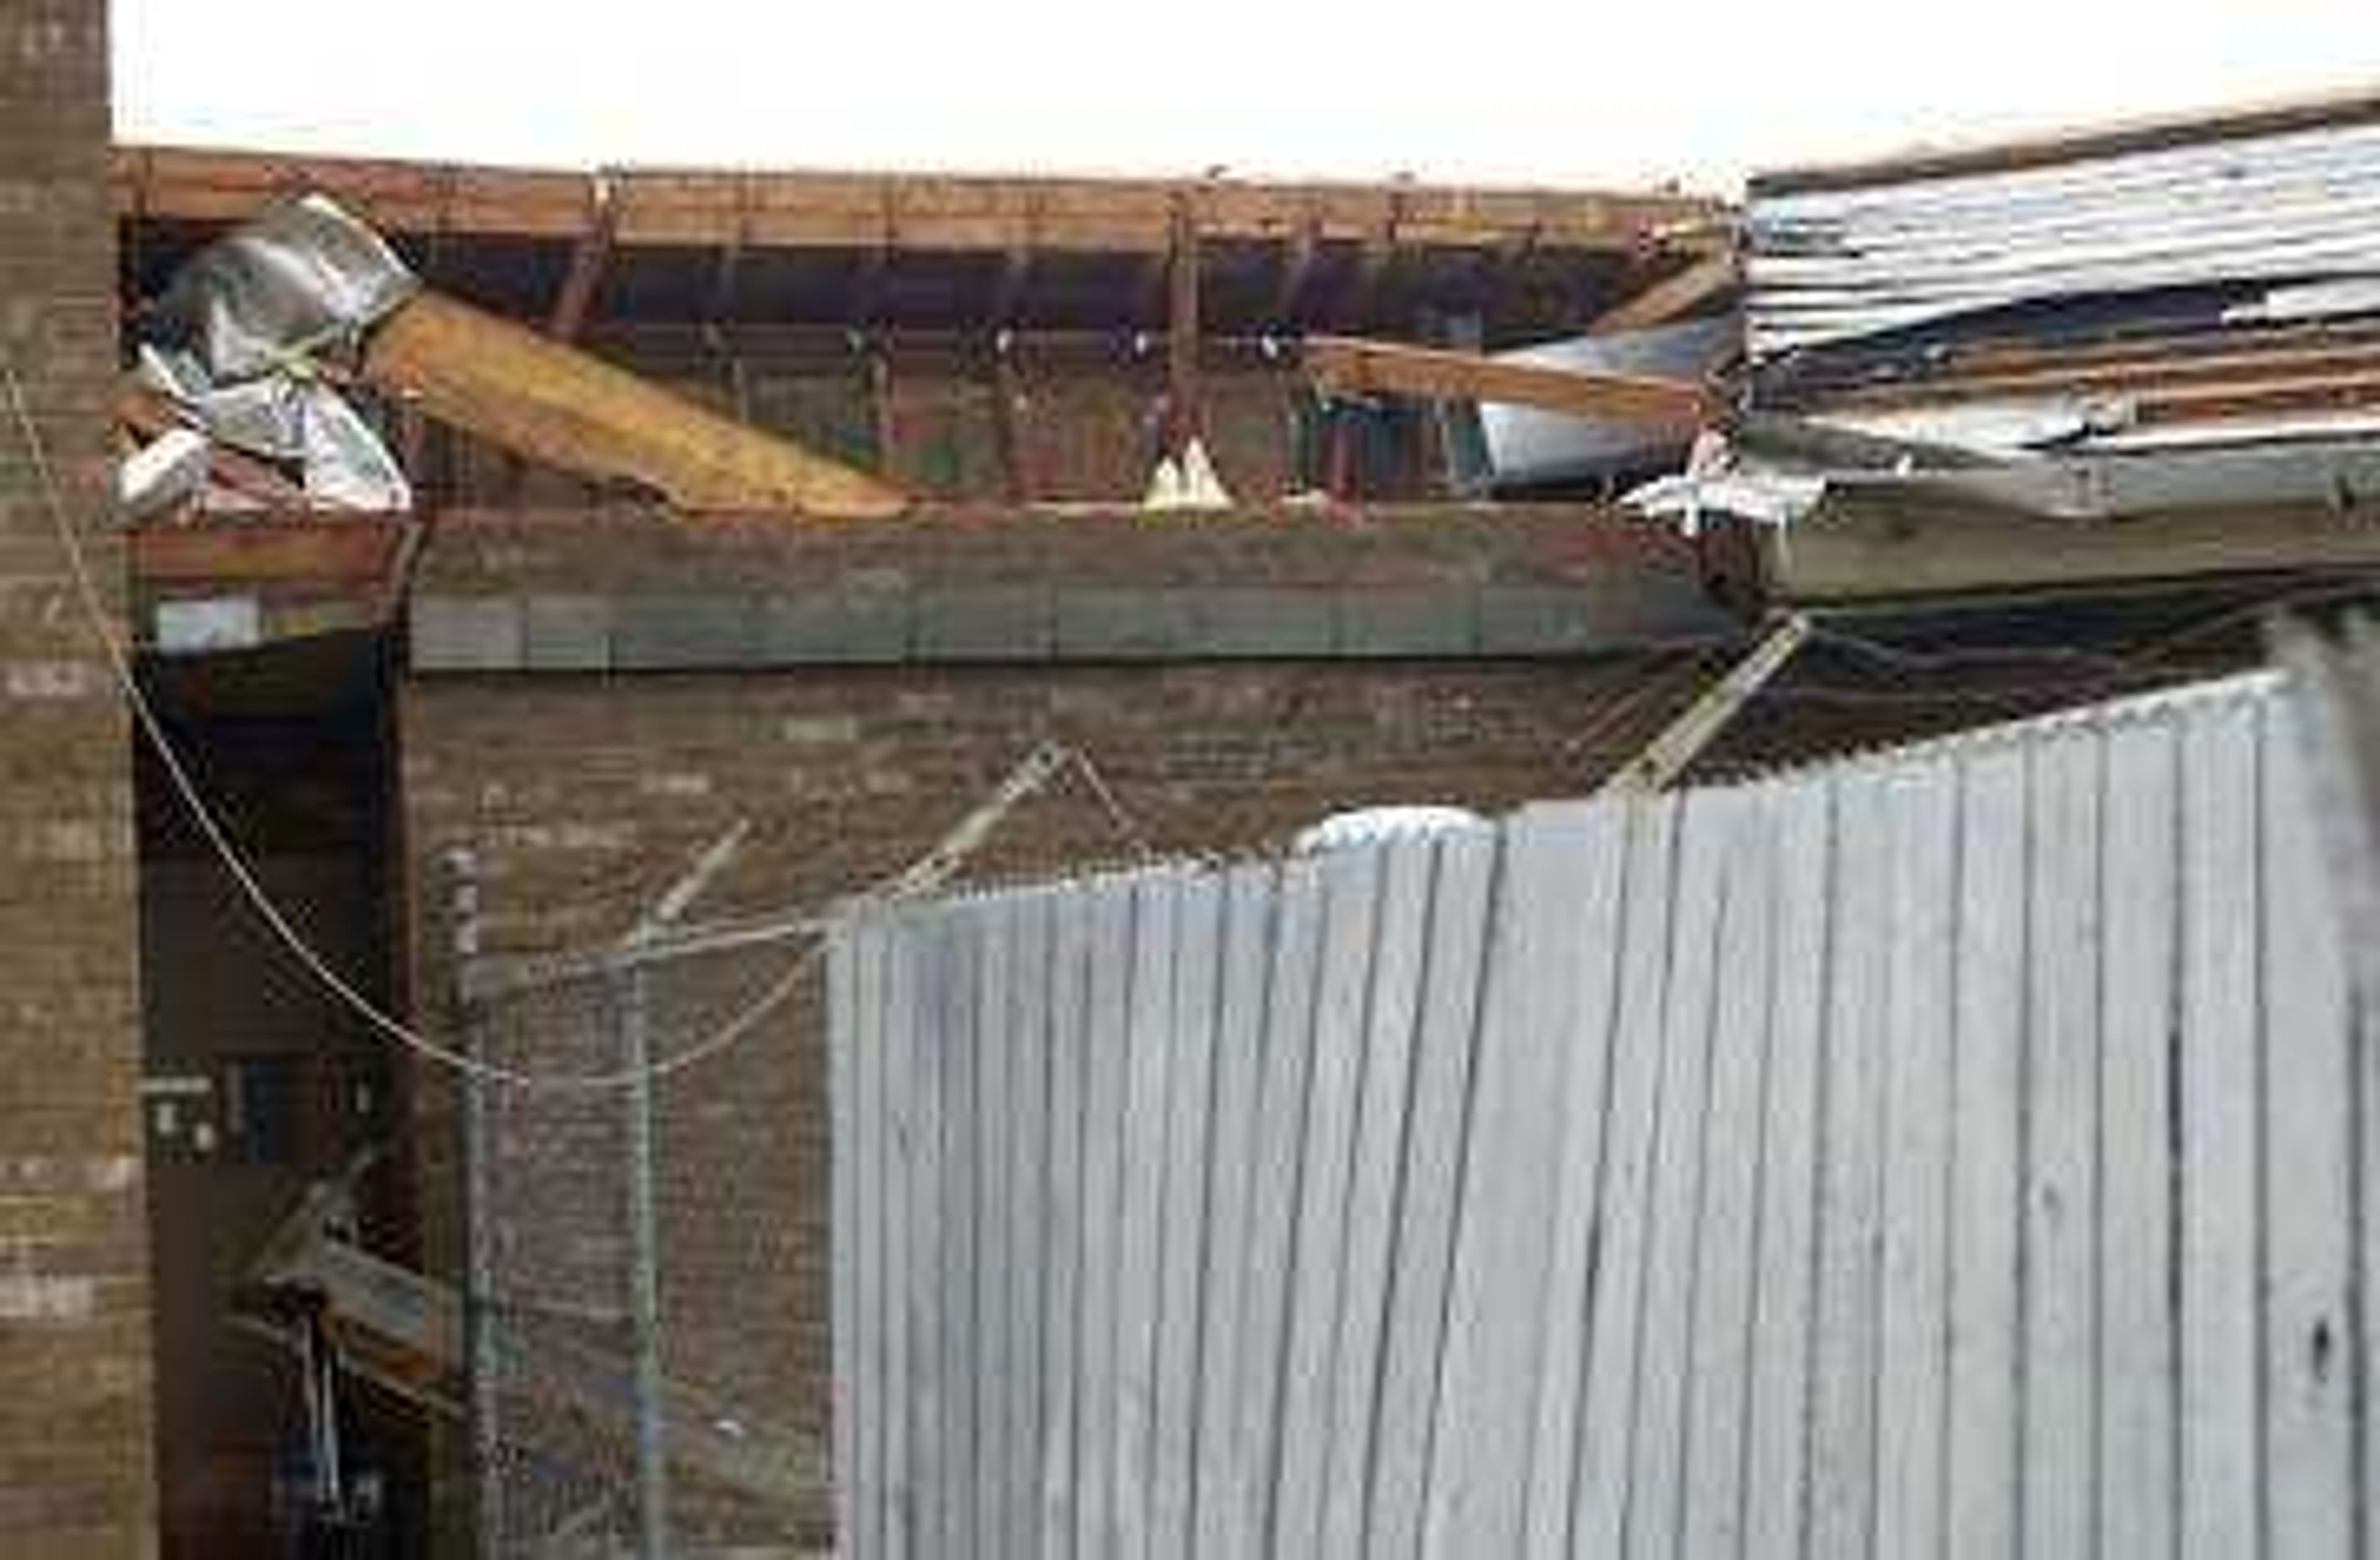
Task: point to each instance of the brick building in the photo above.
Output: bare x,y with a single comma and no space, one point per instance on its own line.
578,691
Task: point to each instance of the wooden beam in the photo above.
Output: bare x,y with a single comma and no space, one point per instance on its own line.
1009,404
150,414
1341,366
279,550
1299,254
1678,294
552,403
843,210
588,256
1016,267
1185,413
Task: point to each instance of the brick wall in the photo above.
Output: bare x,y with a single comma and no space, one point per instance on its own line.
75,1452
586,796
586,791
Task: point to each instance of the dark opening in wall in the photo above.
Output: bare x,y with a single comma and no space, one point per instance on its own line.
258,1085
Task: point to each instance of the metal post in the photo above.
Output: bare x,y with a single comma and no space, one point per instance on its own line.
479,1322
644,1274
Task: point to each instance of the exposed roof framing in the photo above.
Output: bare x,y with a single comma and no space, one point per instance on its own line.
911,211
912,250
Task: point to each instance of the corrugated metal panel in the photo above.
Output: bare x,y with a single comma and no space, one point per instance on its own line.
1835,264
1961,1141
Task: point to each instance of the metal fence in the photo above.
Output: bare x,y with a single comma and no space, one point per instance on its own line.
633,1307
1957,1152
643,1314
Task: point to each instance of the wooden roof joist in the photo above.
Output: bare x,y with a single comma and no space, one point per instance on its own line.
998,215
1340,366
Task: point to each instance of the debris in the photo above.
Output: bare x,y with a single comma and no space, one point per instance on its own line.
168,471
551,402
1189,482
1344,366
254,334
1376,825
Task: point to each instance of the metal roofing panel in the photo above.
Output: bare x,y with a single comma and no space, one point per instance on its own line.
1839,264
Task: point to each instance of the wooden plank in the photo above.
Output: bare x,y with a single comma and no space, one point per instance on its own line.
1657,1497
1987,1106
1156,903
1735,1147
846,961
1679,293
2138,905
1181,1290
550,402
2221,1468
1072,1198
994,1114
1912,1389
2309,1213
1282,1091
950,1472
1345,366
1351,889
1377,1170
1480,1468
1572,964
1249,895
1775,1452
1033,1231
1428,1206
2061,1258
357,550
1615,1322
1842,1415
1105,1154
906,1235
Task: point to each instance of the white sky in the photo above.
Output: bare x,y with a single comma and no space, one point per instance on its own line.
1577,91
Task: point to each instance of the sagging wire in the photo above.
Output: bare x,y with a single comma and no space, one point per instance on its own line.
928,872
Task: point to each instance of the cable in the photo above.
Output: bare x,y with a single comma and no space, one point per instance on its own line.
920,876
1123,823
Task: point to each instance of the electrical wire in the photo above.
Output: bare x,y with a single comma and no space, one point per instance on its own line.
93,604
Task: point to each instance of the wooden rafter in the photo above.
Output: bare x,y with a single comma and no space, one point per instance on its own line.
1341,366
1298,254
1184,412
590,254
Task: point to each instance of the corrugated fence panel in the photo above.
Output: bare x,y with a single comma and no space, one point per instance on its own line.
1954,1153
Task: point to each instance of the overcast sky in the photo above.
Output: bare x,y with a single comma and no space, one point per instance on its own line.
1607,91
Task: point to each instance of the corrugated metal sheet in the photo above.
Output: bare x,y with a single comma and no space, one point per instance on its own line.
1834,264
1961,1142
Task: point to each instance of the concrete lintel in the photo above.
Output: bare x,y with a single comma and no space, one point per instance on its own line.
466,634
888,626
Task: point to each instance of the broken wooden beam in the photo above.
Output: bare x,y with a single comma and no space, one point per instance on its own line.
1673,297
553,403
1342,366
